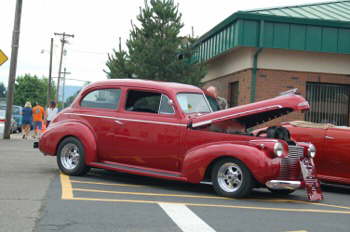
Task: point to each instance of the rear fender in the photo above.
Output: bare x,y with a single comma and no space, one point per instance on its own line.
197,161
51,139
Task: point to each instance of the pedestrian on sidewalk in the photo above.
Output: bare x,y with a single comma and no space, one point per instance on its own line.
51,112
26,119
38,118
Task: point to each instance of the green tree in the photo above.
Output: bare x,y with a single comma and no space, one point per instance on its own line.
118,64
2,90
33,89
155,49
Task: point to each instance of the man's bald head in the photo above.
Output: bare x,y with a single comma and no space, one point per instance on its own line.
212,90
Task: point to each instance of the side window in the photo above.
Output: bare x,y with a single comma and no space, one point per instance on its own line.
143,101
165,107
102,98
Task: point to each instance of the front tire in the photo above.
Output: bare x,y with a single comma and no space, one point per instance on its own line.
231,178
71,157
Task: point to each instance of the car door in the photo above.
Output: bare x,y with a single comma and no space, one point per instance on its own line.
338,152
98,108
149,132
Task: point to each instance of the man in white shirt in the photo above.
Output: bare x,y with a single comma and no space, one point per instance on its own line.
51,112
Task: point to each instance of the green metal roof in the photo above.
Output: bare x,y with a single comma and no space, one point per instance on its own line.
321,27
334,10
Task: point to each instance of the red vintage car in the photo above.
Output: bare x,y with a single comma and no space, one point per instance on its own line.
168,130
333,148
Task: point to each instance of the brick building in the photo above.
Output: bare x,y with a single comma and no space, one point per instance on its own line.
254,55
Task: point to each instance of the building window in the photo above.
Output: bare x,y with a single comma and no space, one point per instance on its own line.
234,93
329,103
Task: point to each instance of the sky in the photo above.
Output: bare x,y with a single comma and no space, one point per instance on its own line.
96,25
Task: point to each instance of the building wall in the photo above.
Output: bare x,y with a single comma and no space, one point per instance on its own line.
278,70
237,60
271,82
301,61
222,84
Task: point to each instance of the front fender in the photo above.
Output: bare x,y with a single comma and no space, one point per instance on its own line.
50,140
198,159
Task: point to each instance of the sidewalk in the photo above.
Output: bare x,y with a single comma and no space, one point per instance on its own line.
25,176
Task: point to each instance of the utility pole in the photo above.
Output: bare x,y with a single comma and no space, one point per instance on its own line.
13,68
50,75
64,84
63,41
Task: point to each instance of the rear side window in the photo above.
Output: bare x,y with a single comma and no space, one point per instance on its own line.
102,98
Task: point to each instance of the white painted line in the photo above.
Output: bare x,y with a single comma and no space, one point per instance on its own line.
185,218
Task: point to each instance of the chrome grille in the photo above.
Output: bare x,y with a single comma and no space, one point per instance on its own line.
290,168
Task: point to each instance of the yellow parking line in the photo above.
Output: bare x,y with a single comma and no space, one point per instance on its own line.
150,194
305,202
105,183
208,197
66,186
216,205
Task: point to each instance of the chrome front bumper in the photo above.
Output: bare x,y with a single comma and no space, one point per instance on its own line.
283,184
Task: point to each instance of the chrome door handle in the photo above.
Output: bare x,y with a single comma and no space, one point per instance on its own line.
118,122
329,137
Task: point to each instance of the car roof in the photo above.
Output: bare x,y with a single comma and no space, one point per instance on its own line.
167,86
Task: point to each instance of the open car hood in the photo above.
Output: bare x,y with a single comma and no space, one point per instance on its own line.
255,113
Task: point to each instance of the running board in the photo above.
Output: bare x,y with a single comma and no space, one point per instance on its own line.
138,171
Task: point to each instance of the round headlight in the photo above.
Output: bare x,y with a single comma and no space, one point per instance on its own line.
311,151
278,149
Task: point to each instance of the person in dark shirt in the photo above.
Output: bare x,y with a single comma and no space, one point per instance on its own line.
26,119
222,102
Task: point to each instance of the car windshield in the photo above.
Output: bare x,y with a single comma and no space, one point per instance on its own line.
193,103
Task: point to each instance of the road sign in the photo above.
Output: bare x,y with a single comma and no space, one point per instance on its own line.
3,57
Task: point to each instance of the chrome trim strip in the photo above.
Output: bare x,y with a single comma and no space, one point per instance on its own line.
91,115
232,115
136,169
202,123
118,122
130,120
283,184
152,122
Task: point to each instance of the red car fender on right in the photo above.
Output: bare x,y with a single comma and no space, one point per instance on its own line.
198,159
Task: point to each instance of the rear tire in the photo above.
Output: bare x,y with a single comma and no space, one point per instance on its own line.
71,157
231,178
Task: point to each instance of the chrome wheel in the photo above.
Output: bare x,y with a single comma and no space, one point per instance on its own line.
230,177
70,156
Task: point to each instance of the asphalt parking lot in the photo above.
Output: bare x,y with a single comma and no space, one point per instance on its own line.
110,201
34,196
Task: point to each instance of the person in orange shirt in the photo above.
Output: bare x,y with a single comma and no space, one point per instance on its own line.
38,118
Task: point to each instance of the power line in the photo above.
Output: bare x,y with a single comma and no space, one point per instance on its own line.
91,52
